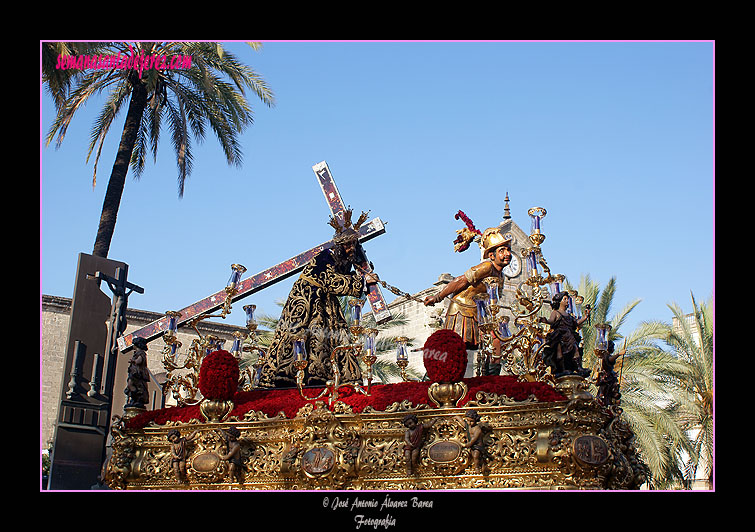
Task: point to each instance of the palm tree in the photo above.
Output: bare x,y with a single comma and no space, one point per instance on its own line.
211,93
650,404
57,81
687,378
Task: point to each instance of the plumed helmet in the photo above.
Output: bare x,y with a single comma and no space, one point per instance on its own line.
491,239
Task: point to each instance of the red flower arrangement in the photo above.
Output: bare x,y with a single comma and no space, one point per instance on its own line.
289,401
219,376
445,356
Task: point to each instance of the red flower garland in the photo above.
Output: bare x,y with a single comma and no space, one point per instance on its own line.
219,376
445,356
289,401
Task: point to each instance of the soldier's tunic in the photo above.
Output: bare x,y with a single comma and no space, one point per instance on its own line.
462,312
313,305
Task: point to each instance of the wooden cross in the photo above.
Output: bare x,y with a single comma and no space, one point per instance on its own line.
275,274
333,197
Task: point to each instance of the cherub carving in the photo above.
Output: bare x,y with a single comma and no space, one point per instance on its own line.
179,451
233,455
413,439
476,432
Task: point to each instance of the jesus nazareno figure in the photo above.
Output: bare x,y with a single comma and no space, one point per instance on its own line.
313,307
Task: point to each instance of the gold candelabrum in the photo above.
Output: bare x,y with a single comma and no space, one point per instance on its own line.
521,351
361,344
182,377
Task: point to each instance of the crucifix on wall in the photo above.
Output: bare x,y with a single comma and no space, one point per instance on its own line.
275,274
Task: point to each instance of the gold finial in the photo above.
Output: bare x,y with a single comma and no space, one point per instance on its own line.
506,213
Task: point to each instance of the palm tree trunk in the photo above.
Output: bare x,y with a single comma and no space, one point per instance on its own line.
120,169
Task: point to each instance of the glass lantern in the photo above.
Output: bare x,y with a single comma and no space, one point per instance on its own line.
530,256
172,322
356,312
601,339
236,348
236,271
536,217
483,308
369,342
300,350
402,354
572,309
249,311
492,291
578,300
557,285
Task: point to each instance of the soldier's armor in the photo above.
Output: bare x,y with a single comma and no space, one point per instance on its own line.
462,312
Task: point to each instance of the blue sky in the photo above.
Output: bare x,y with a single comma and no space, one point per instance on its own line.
614,139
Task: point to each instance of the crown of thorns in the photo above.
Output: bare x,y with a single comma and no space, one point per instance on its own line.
347,230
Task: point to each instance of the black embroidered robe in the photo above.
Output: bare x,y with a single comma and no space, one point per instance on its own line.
313,305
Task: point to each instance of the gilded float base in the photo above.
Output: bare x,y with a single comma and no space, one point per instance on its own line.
572,444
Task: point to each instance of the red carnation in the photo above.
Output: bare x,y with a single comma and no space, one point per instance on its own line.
445,356
219,376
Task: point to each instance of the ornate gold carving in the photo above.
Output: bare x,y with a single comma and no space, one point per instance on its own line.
590,450
447,394
574,444
215,410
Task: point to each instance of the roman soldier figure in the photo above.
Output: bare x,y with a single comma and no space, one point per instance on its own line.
462,312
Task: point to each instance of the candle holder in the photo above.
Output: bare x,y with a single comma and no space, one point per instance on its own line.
486,322
493,286
485,318
170,335
556,285
182,370
251,324
236,348
362,349
250,344
536,216
368,354
531,256
231,288
602,331
402,356
503,327
301,360
578,300
355,317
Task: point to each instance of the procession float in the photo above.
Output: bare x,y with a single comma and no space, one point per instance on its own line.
535,423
